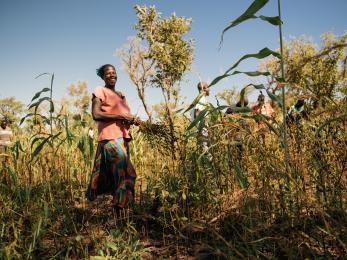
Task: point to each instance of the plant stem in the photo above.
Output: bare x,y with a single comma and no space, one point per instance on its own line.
284,133
50,110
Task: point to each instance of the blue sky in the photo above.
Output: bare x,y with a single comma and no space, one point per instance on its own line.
73,37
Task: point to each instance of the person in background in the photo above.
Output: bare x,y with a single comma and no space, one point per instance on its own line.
5,138
203,140
201,105
297,111
294,120
112,171
263,108
5,135
236,135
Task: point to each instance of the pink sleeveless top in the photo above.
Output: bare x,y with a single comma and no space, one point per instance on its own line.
112,103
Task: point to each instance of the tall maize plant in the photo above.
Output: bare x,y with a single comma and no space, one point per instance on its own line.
276,127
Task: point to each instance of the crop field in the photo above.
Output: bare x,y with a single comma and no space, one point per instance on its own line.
255,187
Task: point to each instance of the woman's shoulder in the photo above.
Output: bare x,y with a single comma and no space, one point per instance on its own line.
99,89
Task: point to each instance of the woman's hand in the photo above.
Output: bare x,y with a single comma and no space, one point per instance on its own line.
128,117
132,119
137,121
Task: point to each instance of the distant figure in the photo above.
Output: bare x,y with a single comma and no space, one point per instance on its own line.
297,112
236,135
5,135
263,108
113,172
199,107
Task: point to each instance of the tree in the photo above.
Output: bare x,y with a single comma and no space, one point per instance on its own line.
318,73
139,68
80,97
170,53
11,109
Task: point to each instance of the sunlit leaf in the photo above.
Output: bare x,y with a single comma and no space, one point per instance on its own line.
37,103
196,100
248,14
274,20
198,119
248,73
41,145
265,52
39,93
39,148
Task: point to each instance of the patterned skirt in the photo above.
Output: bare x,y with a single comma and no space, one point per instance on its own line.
113,173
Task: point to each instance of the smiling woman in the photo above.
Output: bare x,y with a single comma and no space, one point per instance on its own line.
113,173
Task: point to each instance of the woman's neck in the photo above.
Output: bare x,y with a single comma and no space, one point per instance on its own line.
110,87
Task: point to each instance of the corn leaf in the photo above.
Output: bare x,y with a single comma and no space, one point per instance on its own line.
274,20
37,103
320,128
35,140
39,148
265,52
39,93
242,179
13,175
25,117
200,117
46,73
41,145
218,79
248,73
275,98
248,14
196,100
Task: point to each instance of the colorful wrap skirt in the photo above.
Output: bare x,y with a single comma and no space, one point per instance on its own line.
113,173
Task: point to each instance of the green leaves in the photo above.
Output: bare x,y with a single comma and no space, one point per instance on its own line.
196,100
250,14
38,148
198,119
274,20
329,121
265,52
39,93
241,177
248,73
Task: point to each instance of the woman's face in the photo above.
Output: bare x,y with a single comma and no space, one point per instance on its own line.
110,76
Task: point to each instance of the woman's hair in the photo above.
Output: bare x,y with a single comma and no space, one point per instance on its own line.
100,71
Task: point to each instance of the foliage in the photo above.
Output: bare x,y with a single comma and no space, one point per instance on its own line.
233,200
11,109
139,68
80,98
315,73
172,55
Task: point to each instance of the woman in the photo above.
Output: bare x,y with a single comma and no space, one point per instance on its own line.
112,172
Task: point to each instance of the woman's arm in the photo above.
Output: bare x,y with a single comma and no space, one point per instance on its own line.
99,115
